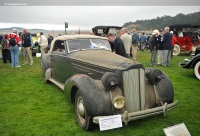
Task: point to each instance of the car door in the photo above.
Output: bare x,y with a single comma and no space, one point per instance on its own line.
59,61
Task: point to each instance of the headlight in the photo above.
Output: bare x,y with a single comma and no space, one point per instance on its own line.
110,80
118,102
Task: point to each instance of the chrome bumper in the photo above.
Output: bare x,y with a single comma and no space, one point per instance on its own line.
126,117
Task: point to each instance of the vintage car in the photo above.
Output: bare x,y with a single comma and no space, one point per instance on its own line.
104,30
186,36
193,62
36,48
102,83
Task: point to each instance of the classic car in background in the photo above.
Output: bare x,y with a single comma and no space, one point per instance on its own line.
193,63
36,47
102,83
186,36
104,30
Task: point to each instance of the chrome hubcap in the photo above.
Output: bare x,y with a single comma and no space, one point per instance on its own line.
81,109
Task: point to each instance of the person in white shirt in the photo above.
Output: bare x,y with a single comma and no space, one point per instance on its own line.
126,38
43,42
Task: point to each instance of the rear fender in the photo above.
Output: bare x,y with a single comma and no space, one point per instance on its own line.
45,63
96,100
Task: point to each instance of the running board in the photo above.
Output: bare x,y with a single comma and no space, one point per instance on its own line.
60,85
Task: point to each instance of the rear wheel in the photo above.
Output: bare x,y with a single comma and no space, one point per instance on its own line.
197,70
176,50
83,119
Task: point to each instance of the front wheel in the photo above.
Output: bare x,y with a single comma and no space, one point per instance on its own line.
176,50
83,119
197,70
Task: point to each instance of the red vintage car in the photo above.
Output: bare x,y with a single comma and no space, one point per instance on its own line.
187,36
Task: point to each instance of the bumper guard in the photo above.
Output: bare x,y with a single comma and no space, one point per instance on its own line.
126,117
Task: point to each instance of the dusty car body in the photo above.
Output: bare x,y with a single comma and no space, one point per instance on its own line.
193,63
102,83
186,36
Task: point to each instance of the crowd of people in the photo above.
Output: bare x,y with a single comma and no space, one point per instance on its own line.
161,42
12,42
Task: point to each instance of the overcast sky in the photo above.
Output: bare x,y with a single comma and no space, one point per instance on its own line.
83,17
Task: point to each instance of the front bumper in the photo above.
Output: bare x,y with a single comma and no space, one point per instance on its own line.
126,117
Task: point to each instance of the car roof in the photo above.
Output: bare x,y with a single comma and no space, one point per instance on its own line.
79,36
105,27
76,36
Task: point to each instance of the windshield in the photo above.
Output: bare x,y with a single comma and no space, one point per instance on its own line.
79,44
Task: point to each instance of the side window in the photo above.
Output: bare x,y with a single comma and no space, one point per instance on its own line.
78,44
59,46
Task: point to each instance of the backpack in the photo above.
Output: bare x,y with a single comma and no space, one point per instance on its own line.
12,41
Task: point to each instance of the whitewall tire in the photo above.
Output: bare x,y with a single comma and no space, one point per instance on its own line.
197,70
176,50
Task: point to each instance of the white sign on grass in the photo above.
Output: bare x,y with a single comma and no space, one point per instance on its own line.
177,130
110,122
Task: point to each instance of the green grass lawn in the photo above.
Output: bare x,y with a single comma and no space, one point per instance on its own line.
28,106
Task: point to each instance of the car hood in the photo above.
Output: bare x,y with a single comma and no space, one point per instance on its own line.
104,58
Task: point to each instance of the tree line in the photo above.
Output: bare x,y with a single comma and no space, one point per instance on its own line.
161,22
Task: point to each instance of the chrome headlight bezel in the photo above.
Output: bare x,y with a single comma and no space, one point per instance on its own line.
118,102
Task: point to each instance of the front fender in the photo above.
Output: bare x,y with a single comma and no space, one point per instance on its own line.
97,101
192,63
165,90
158,94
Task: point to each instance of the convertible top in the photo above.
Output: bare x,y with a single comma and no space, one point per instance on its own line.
179,26
78,36
105,29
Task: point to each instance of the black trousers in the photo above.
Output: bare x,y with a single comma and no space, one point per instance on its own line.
6,55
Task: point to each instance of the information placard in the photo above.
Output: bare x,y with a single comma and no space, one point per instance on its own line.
111,122
177,130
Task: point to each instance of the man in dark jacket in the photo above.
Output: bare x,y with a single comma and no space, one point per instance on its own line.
167,47
27,44
135,40
118,45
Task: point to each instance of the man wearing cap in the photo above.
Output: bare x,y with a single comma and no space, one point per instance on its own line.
167,47
14,49
153,47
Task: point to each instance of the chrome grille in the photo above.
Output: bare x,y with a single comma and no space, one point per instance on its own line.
134,89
